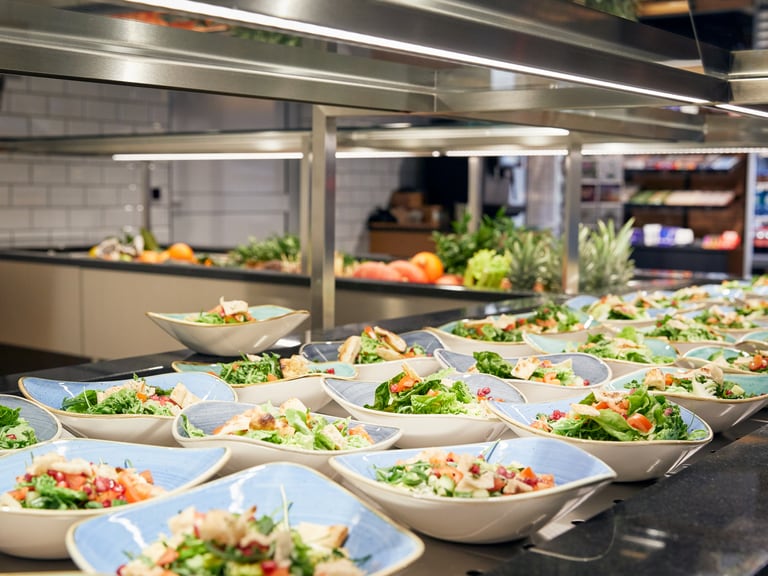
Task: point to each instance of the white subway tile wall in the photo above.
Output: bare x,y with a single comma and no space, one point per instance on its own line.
57,201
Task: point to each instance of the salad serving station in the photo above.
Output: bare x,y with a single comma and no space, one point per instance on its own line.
707,513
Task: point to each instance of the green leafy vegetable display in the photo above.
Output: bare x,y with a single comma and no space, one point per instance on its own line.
487,269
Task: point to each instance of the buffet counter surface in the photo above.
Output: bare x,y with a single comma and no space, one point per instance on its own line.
709,516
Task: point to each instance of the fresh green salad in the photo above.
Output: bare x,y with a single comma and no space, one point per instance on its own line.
627,345
546,319
408,393
225,312
619,416
53,482
15,431
132,397
379,345
376,344
528,368
724,319
291,424
461,475
756,361
705,382
267,367
612,307
680,328
225,543
251,369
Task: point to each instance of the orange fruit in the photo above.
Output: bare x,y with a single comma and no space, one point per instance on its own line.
181,251
150,257
430,263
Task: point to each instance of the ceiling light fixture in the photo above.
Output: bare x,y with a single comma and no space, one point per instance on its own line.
507,152
235,14
208,156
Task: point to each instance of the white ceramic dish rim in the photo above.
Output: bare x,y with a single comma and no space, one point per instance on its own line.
165,316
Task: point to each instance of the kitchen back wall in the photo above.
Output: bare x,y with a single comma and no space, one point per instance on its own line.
75,201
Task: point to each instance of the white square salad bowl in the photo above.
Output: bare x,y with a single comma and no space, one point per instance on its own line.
270,323
484,519
247,452
381,546
38,533
427,429
141,428
592,370
632,461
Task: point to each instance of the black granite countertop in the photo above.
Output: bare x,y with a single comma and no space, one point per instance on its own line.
708,517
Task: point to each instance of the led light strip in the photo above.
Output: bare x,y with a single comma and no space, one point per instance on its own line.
743,110
209,156
235,14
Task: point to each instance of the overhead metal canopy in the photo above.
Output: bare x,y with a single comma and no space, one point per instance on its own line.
466,63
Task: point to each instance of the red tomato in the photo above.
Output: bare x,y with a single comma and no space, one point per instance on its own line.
409,272
640,422
376,271
451,280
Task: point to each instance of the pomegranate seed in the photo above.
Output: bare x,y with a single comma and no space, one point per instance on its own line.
101,484
268,566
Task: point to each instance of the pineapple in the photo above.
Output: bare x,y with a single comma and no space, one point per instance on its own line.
605,256
530,259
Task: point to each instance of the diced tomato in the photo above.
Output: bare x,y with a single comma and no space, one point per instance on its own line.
360,431
75,481
450,471
20,493
758,362
168,556
640,422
